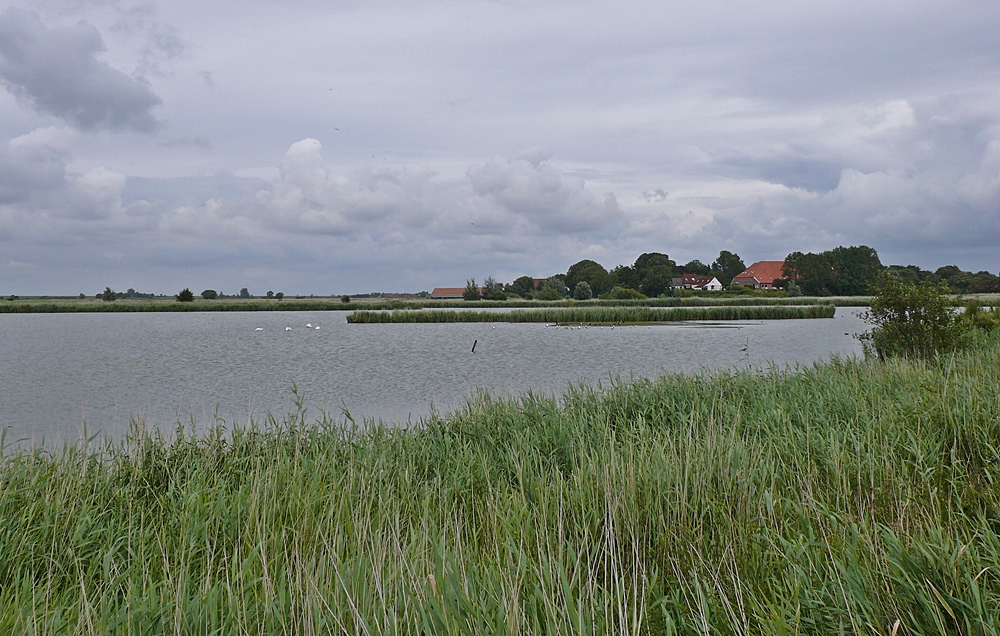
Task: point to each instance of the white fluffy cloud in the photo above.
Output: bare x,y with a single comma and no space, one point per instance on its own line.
307,198
537,196
35,185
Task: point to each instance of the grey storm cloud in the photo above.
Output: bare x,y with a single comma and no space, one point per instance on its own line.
56,71
393,212
921,175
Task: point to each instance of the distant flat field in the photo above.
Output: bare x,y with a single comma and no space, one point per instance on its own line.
63,304
50,305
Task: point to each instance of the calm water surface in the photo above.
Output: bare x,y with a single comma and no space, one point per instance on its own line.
60,371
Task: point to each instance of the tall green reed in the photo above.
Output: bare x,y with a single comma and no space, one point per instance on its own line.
847,497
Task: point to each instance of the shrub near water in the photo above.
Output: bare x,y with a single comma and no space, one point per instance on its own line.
600,315
913,321
847,498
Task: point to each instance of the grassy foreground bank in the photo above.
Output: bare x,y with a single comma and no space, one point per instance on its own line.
846,498
600,315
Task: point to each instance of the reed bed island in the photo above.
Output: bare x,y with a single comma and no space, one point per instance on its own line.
851,497
601,315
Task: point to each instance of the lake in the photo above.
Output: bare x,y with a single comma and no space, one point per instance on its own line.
61,371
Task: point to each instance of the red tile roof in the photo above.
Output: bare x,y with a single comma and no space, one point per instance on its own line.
447,292
761,273
695,281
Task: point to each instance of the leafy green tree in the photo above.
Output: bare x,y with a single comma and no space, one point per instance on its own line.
961,282
912,321
345,299
855,269
651,274
279,295
591,272
493,289
554,288
812,272
657,280
626,293
697,267
244,293
582,291
522,286
655,272
985,283
471,291
844,271
184,296
649,260
269,294
209,294
727,267
109,295
910,273
625,276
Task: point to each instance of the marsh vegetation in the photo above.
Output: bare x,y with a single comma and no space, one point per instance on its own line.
600,315
848,497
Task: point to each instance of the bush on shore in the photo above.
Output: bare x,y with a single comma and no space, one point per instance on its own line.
912,320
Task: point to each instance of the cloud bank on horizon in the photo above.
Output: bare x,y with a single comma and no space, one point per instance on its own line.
347,148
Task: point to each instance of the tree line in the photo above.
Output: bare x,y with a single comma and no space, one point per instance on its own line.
842,271
852,271
651,275
184,296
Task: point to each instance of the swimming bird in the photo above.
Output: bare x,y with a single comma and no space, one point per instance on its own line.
317,327
259,329
288,328
309,324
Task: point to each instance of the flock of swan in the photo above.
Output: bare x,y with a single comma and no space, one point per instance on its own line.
308,326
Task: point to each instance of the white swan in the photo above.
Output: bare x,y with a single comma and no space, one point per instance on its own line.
288,328
309,325
259,329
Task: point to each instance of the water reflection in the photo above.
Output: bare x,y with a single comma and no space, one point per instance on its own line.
62,370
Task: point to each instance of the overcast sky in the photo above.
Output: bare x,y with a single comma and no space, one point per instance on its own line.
341,147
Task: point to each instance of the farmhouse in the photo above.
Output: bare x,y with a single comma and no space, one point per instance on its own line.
447,292
760,275
694,281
